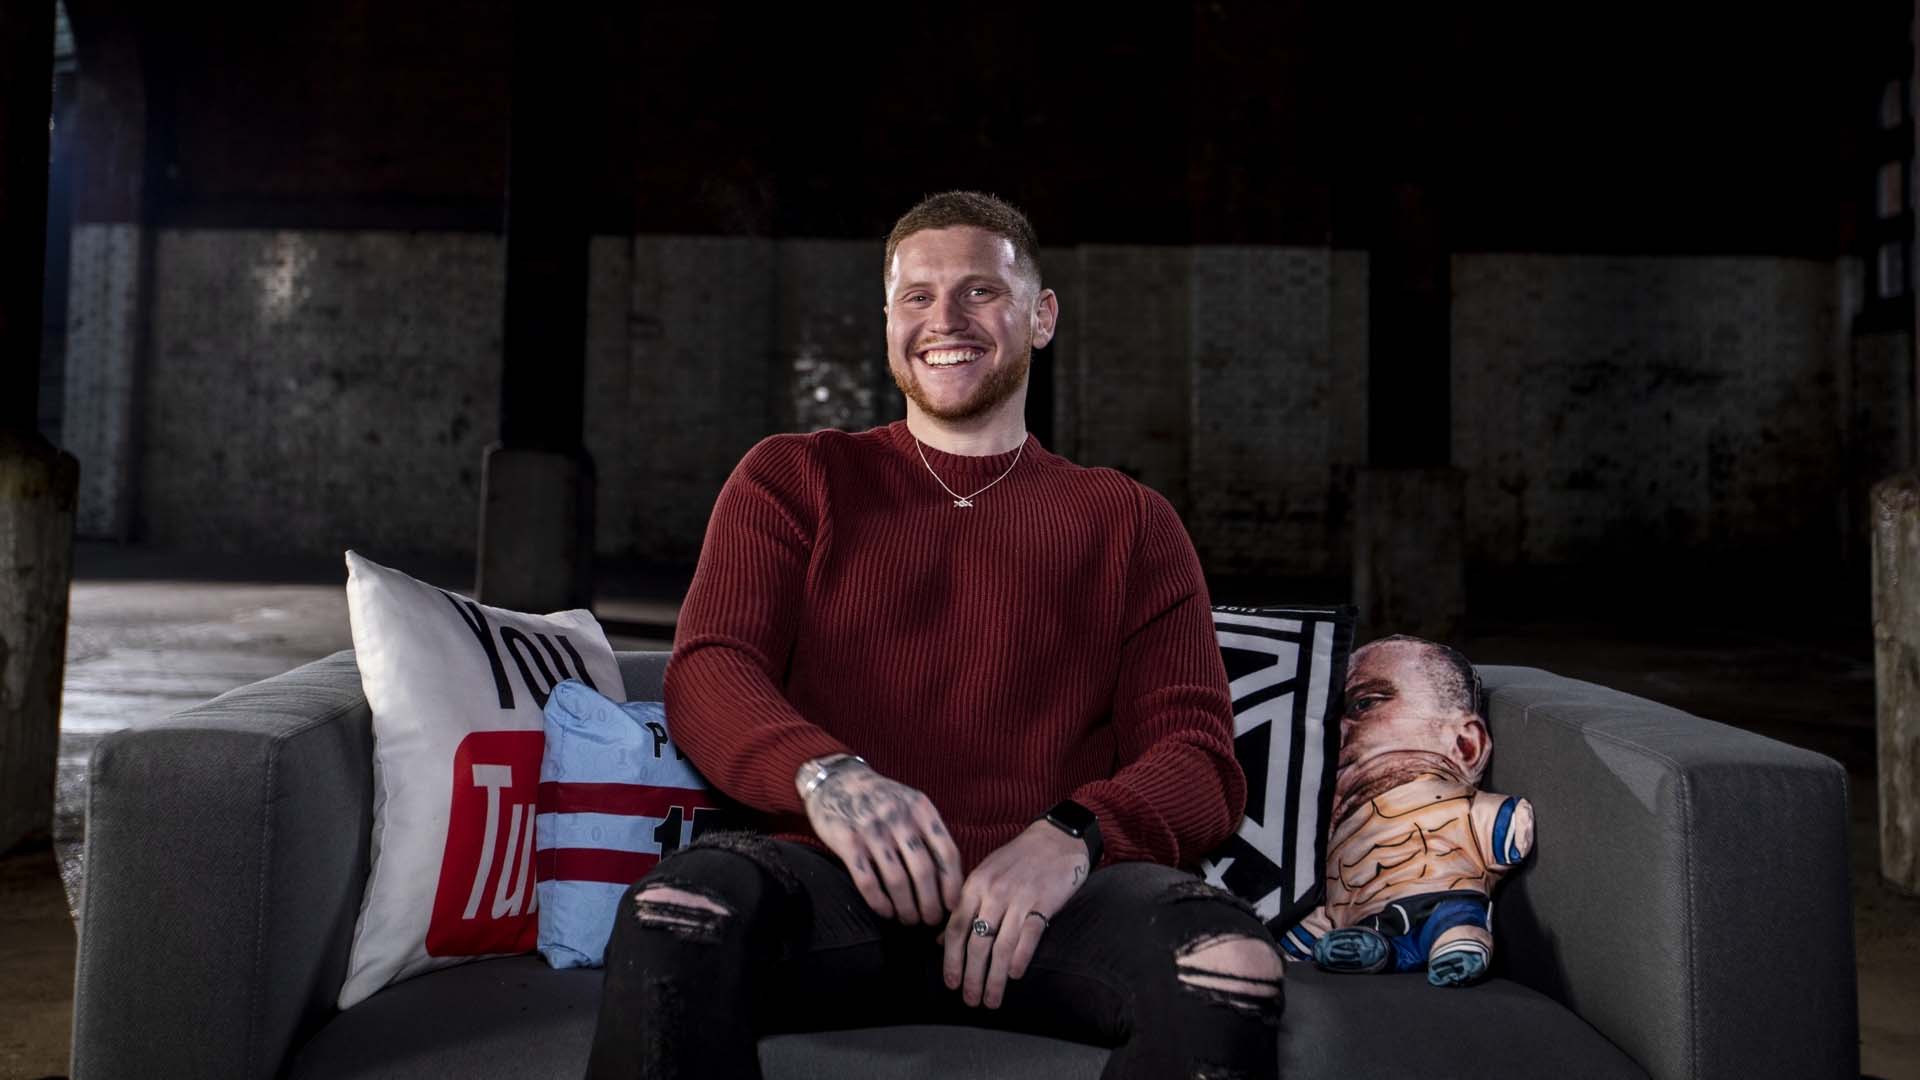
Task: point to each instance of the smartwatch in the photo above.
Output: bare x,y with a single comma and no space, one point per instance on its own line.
1078,821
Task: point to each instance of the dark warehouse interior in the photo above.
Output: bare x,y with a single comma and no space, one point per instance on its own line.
1583,337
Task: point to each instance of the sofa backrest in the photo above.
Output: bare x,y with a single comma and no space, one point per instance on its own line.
643,672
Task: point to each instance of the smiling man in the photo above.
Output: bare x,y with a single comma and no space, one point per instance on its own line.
975,690
961,363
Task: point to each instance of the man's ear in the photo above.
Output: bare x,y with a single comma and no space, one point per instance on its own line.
1471,744
1046,315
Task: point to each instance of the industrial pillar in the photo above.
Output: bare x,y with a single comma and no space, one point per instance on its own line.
1409,530
37,482
537,490
1893,511
1896,671
111,259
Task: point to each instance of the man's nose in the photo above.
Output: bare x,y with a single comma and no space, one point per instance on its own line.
949,316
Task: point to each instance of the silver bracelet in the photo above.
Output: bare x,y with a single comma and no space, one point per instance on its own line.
821,772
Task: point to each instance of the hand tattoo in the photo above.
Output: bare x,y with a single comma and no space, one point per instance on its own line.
873,810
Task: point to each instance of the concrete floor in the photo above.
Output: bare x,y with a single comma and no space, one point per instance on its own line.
152,633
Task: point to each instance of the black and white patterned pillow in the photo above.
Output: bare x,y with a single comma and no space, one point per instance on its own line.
1286,668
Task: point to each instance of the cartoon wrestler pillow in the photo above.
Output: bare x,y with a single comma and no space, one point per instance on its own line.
1416,848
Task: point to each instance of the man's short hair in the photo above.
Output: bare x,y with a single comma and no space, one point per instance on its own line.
1453,676
954,208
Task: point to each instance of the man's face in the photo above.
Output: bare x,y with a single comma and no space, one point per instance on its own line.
962,322
1393,703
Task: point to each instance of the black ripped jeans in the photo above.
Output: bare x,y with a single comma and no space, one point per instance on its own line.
689,993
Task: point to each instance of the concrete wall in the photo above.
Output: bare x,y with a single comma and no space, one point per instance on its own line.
1279,405
679,382
104,326
1607,405
829,336
311,390
700,346
1133,325
1233,381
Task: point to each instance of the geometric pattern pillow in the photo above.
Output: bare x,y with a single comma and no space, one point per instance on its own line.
1286,670
616,795
456,689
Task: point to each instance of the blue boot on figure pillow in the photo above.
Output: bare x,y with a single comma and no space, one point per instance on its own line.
1355,950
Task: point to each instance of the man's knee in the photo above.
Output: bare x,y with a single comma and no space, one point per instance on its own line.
699,893
762,851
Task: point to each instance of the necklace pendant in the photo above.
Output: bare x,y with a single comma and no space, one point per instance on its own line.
968,503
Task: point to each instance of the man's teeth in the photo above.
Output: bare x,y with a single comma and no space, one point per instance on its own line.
949,357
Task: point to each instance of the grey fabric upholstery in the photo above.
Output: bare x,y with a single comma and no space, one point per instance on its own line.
511,1017
1389,1027
520,1018
1689,891
226,852
1678,859
644,673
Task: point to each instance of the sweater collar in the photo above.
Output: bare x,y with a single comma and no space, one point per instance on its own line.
955,468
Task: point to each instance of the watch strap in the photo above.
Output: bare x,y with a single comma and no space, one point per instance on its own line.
1077,821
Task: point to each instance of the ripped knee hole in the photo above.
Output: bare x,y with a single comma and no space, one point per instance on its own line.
688,914
1235,970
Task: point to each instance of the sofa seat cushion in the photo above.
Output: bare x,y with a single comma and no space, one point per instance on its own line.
509,1017
1358,1027
519,1018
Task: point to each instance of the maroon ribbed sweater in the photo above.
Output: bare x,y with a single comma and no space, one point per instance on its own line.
1052,641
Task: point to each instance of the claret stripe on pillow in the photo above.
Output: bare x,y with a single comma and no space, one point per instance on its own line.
561,797
603,865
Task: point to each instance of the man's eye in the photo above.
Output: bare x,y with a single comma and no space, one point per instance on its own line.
979,290
1362,704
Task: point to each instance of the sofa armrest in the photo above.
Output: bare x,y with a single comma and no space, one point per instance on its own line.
226,852
1688,895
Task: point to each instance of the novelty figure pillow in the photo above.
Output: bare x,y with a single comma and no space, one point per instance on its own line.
1416,848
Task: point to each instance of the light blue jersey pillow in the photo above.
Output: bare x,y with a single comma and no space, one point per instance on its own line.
615,795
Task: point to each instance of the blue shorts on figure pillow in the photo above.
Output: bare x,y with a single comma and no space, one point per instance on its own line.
1416,848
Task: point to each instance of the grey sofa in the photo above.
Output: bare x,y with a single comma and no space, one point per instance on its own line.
1687,914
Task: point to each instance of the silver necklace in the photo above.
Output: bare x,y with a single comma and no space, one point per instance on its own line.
965,501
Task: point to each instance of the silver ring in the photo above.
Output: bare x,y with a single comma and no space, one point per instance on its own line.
1045,923
982,928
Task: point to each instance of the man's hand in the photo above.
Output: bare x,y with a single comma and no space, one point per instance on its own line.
891,838
1017,889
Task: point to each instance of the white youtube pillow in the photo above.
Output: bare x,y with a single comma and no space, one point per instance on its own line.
456,690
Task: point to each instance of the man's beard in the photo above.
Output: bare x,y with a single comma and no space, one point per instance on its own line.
999,385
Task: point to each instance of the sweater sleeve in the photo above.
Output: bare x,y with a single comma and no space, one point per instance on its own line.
736,630
1179,791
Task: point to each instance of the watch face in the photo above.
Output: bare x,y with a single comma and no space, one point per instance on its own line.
1072,817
